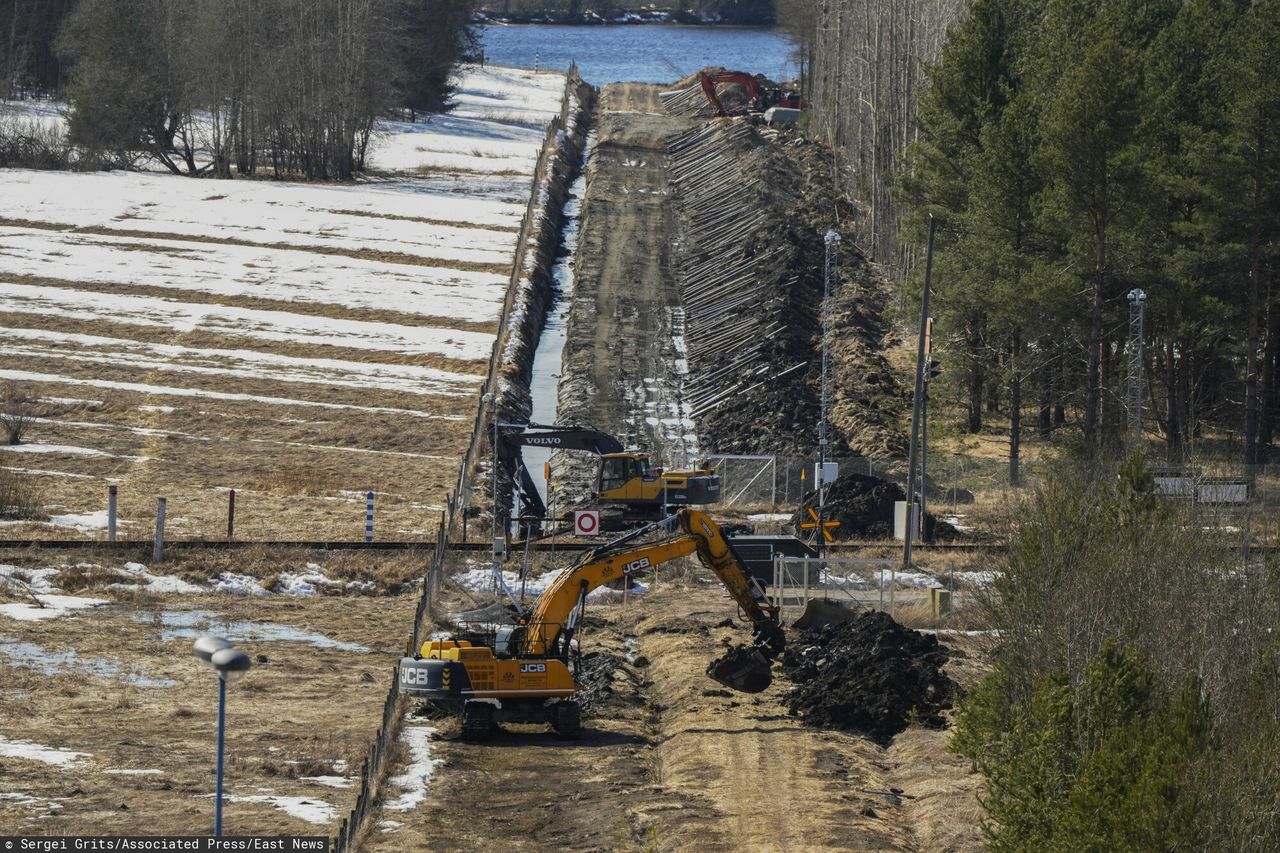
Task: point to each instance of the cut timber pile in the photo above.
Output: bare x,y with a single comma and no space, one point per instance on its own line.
871,676
687,100
754,213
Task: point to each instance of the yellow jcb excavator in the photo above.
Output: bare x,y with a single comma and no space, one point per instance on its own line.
525,676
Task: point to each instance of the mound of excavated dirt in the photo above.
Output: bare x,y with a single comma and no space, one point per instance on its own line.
596,681
871,676
864,507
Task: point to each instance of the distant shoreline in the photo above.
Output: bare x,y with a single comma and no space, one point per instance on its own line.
623,21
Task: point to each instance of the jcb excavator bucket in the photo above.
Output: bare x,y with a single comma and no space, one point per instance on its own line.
819,614
742,668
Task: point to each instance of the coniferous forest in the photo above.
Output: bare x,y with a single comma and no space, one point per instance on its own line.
1072,152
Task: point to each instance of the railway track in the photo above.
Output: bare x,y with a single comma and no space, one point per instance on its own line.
462,547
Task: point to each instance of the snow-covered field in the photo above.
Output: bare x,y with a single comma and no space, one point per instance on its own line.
300,343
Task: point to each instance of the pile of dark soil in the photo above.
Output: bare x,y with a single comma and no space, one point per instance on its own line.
864,507
871,676
596,681
742,668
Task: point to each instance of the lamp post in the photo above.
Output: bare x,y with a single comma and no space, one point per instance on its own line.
231,664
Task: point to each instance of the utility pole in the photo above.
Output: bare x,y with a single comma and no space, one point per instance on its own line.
1137,320
832,241
917,410
924,427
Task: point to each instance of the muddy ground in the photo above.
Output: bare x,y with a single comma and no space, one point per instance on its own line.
622,370
675,762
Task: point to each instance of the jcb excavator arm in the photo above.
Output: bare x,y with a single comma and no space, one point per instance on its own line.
548,630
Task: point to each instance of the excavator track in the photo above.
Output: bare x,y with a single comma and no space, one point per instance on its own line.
477,721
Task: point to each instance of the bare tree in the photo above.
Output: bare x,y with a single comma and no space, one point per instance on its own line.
864,84
18,411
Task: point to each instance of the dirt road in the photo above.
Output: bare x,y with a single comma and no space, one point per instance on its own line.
623,359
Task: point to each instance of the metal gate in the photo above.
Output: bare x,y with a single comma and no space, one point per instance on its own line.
747,482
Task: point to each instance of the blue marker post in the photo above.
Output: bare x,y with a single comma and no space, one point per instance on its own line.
368,520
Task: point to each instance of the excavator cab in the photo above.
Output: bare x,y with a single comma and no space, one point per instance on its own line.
621,476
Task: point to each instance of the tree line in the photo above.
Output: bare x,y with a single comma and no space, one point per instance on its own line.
223,87
863,64
1131,702
1073,151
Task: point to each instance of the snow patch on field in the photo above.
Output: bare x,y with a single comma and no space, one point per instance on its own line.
83,521
885,579
28,580
50,607
190,624
70,450
195,392
242,364
414,780
140,578
306,809
35,752
328,781
26,801
283,326
48,661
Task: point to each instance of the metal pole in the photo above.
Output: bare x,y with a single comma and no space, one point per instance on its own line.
1137,319
222,733
368,517
916,412
832,241
112,493
157,549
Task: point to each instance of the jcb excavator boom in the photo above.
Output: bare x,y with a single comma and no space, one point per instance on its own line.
549,626
525,677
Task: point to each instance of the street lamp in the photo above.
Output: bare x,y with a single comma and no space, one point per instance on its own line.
231,664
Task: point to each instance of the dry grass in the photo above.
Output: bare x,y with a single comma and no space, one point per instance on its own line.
313,309
95,570
508,229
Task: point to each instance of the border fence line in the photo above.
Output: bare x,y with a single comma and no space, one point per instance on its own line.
461,497
372,769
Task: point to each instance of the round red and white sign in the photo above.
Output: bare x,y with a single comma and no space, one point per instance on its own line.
586,522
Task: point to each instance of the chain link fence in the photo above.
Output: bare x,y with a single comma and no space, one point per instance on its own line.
779,483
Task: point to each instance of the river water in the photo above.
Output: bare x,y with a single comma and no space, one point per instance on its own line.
645,53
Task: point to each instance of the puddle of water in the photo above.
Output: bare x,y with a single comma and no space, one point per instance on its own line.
190,624
21,653
544,382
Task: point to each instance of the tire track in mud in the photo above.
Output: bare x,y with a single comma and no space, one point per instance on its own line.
624,361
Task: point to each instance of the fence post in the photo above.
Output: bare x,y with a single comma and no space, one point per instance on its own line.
157,549
231,514
368,518
112,492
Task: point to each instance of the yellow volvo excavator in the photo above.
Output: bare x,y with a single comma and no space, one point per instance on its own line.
525,676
